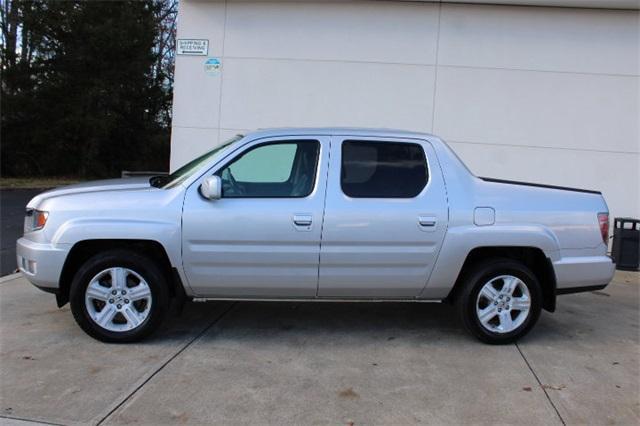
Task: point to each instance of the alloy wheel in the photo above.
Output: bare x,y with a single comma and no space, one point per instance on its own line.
503,304
118,299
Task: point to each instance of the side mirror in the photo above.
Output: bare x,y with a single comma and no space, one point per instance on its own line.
211,188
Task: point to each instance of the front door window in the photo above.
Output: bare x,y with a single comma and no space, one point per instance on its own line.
272,170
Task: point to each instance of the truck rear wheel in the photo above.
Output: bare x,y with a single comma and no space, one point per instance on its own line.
500,301
119,296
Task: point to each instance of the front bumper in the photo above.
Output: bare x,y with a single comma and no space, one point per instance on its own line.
41,264
584,273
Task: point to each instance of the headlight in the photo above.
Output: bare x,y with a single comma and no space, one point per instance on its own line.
34,220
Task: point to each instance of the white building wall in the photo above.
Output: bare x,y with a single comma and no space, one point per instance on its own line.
541,94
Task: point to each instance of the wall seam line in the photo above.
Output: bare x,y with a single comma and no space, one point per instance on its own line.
431,65
449,140
224,37
435,72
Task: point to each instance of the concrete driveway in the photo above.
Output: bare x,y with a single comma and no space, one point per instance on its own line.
323,363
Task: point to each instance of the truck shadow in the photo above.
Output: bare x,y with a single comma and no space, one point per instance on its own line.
584,318
308,320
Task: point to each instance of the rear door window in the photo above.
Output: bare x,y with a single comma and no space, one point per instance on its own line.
377,169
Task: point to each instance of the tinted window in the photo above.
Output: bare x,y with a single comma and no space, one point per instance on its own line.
267,164
383,169
275,169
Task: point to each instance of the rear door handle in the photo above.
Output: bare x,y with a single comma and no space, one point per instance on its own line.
427,221
302,219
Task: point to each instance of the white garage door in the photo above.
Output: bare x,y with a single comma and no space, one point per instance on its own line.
540,94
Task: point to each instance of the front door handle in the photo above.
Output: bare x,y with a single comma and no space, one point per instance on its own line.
302,219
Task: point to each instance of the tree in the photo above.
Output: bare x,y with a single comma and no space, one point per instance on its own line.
86,86
166,18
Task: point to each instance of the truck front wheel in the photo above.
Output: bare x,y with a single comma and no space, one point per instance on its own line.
500,301
119,296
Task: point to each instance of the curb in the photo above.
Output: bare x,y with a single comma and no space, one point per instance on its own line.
10,277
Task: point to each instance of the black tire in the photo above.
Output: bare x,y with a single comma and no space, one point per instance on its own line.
472,284
137,263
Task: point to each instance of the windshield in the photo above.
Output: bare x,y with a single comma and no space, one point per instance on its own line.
184,172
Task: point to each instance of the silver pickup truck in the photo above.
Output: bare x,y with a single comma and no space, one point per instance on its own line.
316,214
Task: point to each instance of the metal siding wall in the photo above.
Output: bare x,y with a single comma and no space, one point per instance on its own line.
542,94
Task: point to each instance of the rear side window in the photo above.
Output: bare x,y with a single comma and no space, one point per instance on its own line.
382,169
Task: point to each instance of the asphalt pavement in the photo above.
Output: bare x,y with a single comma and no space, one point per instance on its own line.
12,206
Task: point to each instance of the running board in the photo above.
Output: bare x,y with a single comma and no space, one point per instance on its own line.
324,299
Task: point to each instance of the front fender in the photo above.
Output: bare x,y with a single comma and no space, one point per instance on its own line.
82,229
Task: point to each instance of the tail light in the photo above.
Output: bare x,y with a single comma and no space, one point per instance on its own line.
603,221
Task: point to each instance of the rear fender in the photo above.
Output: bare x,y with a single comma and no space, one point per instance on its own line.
459,242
